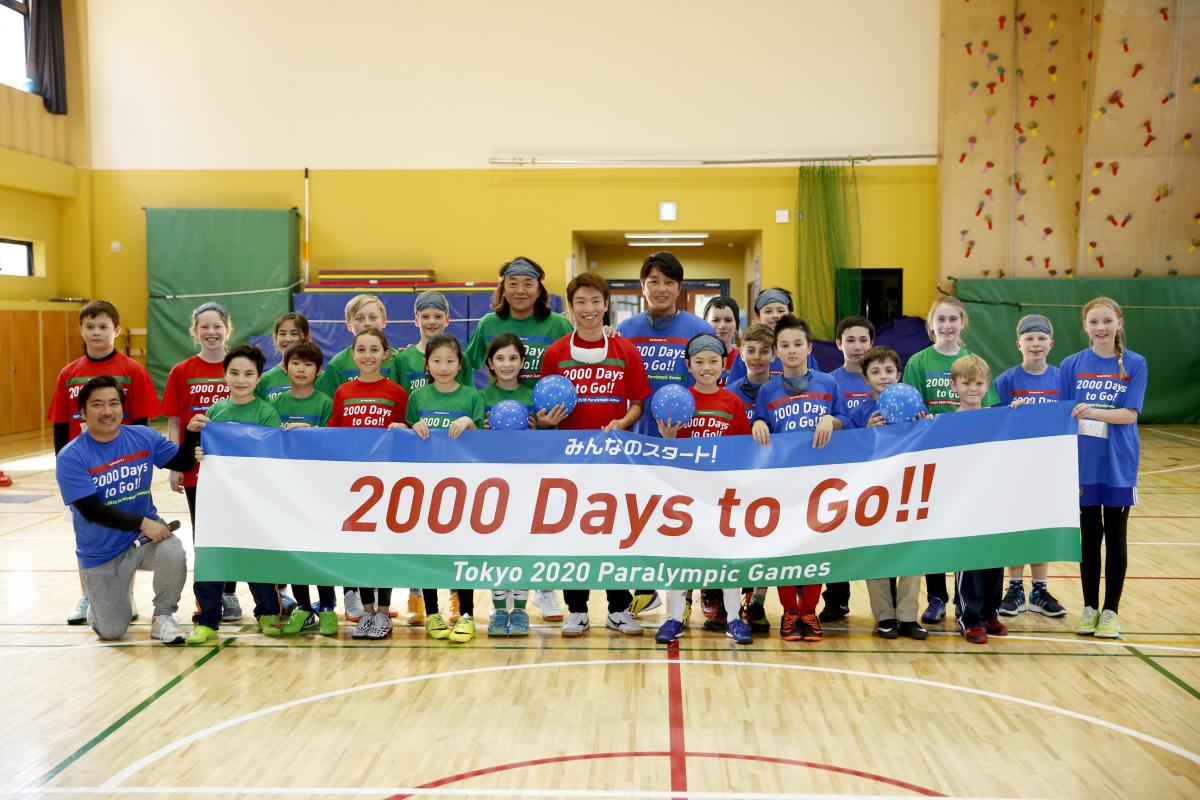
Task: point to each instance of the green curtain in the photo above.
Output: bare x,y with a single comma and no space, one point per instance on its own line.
828,238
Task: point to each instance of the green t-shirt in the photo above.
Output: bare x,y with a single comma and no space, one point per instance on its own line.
536,334
929,372
439,409
313,410
493,394
408,369
341,369
256,412
273,382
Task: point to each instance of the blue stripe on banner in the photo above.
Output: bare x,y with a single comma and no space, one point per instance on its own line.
593,447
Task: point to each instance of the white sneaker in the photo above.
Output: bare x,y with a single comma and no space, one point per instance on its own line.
623,622
133,612
366,623
576,625
547,601
79,614
381,626
231,609
166,630
354,606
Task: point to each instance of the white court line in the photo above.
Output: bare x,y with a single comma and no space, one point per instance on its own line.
387,791
1170,544
1174,435
116,780
1172,469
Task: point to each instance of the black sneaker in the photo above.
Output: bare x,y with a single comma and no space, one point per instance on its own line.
755,615
913,630
1041,601
717,623
1014,600
834,612
886,629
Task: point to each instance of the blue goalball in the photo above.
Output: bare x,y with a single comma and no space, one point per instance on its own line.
900,403
673,404
554,390
509,415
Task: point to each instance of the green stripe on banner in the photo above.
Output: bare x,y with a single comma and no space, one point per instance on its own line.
626,571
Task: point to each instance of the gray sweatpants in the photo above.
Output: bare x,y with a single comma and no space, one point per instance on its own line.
908,596
108,584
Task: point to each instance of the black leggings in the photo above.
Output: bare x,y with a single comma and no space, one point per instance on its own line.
368,596
1108,525
466,601
304,599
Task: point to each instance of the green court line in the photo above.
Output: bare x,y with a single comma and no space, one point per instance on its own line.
128,715
1166,673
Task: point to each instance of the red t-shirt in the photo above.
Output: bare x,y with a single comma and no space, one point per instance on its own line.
192,387
719,414
604,390
368,405
140,398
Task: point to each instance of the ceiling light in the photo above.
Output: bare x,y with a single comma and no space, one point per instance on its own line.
666,236
665,244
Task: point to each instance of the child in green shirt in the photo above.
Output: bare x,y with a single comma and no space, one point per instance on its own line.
290,328
431,315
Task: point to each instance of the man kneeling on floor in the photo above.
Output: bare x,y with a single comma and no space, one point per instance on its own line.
104,475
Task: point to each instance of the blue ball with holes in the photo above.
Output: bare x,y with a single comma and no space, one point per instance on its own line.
673,404
900,402
554,390
509,415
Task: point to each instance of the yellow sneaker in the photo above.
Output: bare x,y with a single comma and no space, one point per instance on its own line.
464,629
436,627
416,609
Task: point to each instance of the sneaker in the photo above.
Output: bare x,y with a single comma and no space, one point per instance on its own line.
710,603
464,629
719,621
455,611
1087,622
739,631
577,624
623,622
832,613
913,630
328,623
935,612
436,627
498,624
1109,627
300,620
789,627
644,602
668,632
416,609
975,634
1041,601
886,629
1014,600
381,625
133,612
518,622
201,634
547,601
363,629
995,627
754,614
79,614
231,609
166,630
287,603
810,628
354,606
268,625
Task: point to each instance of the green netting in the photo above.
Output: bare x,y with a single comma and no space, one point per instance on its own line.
827,239
1162,316
847,293
245,259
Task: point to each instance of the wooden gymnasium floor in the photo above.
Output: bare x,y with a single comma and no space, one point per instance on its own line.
1042,713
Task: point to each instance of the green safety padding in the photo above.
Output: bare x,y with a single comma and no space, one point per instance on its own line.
1162,316
194,255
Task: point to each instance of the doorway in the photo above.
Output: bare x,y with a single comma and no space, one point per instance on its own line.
627,300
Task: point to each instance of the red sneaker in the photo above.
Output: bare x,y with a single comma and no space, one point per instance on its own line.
789,627
995,627
711,603
975,634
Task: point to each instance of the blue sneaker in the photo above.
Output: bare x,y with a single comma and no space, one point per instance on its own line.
286,604
739,631
498,624
518,622
935,612
670,630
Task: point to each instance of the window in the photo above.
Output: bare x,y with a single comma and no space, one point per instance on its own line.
14,28
16,258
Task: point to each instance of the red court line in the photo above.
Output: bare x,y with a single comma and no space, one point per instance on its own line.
675,713
475,773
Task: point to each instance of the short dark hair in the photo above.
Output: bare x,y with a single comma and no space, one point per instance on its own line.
439,341
97,308
100,382
247,351
590,280
378,334
541,306
303,351
721,301
854,322
881,352
666,263
792,322
499,343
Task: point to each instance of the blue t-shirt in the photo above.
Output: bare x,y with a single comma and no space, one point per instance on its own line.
119,472
852,391
664,352
747,392
738,370
1088,378
1016,383
860,415
785,412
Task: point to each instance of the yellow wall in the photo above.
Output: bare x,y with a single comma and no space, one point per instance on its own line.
24,215
898,207
711,262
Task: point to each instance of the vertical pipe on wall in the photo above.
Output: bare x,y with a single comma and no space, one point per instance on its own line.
305,248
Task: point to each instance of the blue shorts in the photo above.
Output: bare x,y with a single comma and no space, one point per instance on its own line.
1101,494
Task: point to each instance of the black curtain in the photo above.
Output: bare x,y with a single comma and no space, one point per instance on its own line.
46,65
